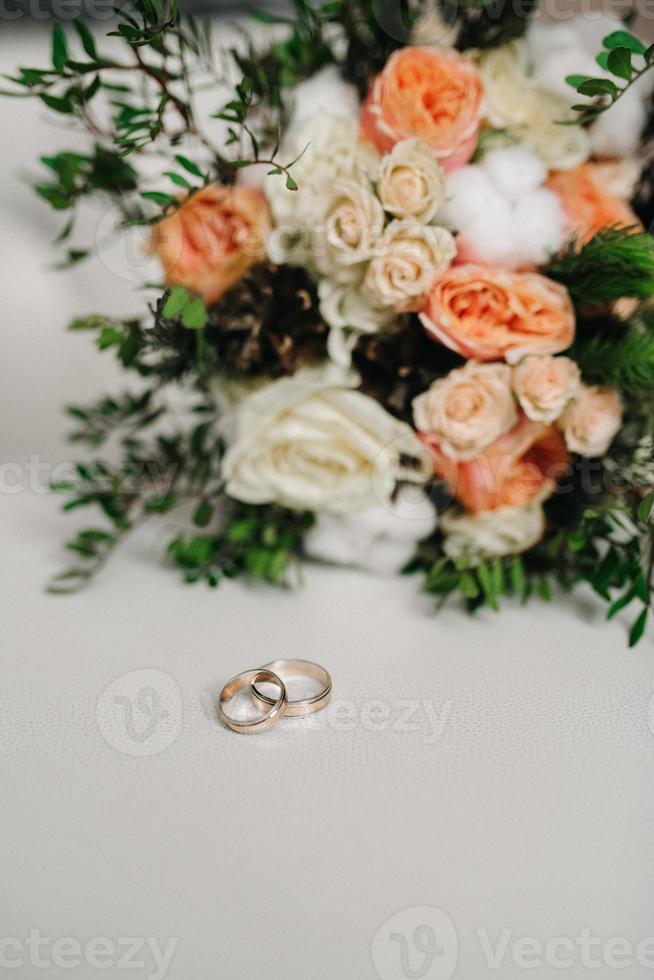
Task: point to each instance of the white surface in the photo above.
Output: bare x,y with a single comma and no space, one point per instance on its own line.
282,855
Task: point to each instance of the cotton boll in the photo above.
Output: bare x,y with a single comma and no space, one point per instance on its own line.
469,192
380,539
543,37
540,219
514,170
494,240
618,132
552,69
593,26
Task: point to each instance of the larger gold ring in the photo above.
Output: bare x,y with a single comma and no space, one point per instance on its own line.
276,706
298,668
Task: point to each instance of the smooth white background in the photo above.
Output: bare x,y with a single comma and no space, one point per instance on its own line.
282,855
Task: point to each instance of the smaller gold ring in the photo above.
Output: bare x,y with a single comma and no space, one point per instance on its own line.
298,668
276,706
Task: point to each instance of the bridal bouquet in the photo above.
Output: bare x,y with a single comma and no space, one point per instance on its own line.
403,313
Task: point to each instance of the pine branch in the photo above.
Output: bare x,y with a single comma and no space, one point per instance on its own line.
625,361
615,263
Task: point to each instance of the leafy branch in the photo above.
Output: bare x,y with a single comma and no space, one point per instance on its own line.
627,59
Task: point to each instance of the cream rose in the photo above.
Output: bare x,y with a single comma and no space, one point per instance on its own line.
349,313
309,443
591,420
467,410
545,385
514,101
329,149
492,533
559,147
352,223
411,182
503,71
407,259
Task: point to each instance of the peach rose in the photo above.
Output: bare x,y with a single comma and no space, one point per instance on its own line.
213,238
488,313
521,466
545,385
467,410
587,204
430,94
591,420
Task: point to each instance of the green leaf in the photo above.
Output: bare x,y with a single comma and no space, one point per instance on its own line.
189,166
619,63
621,603
487,583
468,587
517,573
63,105
158,197
637,630
178,179
645,508
291,184
194,314
641,587
59,48
623,39
176,302
203,513
86,37
577,80
160,503
599,86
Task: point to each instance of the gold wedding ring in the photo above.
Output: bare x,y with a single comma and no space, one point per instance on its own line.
297,668
277,707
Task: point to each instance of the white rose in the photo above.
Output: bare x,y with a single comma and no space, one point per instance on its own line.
329,149
411,182
531,111
352,222
380,539
468,409
591,420
504,73
306,442
349,313
545,385
408,258
492,533
559,147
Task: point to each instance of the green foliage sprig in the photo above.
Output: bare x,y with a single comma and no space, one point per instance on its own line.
611,549
263,543
622,358
624,57
615,263
144,101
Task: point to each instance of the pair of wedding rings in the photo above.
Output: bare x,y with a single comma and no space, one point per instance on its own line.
275,707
